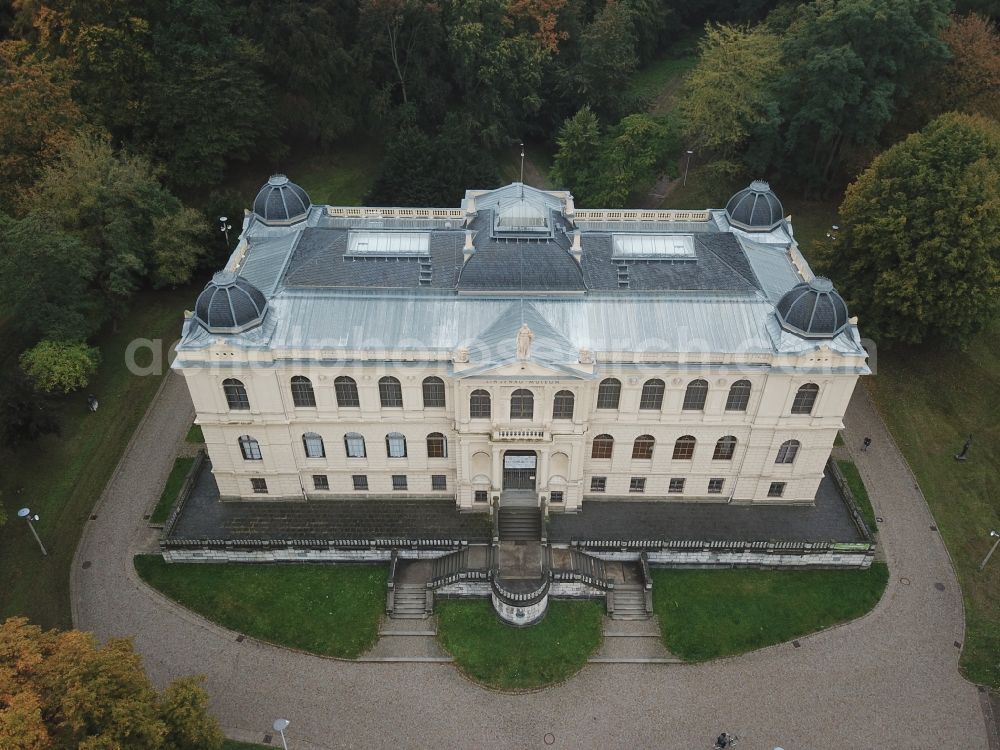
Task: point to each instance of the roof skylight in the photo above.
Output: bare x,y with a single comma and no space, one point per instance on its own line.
388,244
654,246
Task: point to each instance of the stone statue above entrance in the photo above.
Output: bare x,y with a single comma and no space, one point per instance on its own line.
524,339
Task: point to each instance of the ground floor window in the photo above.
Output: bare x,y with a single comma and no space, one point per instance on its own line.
439,482
259,485
637,484
360,482
715,486
480,496
399,481
676,486
321,482
598,484
777,489
557,497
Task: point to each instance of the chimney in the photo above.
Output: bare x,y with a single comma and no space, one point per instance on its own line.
577,248
469,248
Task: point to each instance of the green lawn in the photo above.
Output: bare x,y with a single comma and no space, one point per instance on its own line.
705,614
169,495
61,476
860,492
331,610
195,435
932,399
659,82
507,658
234,745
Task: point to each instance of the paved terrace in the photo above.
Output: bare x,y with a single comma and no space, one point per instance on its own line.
204,516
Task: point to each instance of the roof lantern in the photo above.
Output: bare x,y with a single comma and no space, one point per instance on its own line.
523,215
813,309
230,304
281,202
755,208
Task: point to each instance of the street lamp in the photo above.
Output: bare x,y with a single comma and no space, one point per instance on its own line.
989,554
686,165
224,227
280,725
25,513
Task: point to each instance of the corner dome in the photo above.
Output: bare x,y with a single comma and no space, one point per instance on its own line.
230,304
755,208
813,309
281,201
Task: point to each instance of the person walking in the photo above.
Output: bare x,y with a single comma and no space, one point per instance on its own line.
865,444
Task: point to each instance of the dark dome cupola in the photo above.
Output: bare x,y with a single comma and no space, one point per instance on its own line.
230,304
281,202
755,208
813,309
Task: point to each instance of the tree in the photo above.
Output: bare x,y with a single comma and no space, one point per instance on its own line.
114,203
38,115
608,59
731,95
60,366
920,253
60,690
847,65
970,82
577,163
24,414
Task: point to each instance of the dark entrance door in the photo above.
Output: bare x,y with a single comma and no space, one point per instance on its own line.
519,470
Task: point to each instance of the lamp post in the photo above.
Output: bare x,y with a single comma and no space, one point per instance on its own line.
25,513
224,227
989,554
686,165
280,725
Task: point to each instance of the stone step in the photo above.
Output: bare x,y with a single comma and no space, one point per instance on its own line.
632,648
411,648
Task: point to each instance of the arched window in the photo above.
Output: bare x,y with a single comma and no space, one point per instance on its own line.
805,399
389,392
604,446
395,445
354,445
652,395
787,452
694,397
609,393
562,405
302,391
313,444
684,448
643,447
739,396
433,393
522,404
347,392
437,445
725,449
250,448
236,394
479,404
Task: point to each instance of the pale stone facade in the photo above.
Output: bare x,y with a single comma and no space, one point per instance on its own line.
548,455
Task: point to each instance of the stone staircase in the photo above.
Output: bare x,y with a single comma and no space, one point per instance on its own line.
632,642
520,524
628,602
410,602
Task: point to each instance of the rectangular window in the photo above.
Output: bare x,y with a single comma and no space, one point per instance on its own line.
481,496
439,482
637,484
715,486
360,482
321,482
777,489
557,497
598,484
398,481
259,485
676,486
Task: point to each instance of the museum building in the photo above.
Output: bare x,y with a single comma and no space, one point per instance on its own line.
519,350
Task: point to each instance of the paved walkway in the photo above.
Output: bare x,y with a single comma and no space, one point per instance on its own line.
890,678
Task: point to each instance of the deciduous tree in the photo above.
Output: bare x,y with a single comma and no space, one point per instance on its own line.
60,366
608,59
920,252
970,82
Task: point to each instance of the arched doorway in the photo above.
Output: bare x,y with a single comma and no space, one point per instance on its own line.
520,469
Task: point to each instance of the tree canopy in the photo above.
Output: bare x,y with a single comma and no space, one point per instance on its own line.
919,257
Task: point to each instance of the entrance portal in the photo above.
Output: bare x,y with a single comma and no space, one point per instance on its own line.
519,470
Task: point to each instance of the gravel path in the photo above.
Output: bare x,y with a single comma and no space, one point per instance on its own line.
886,680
